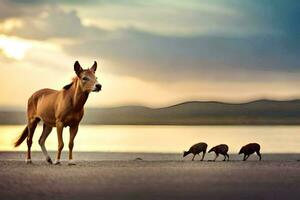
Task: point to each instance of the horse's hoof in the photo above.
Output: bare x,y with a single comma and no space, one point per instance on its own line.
49,160
28,161
57,162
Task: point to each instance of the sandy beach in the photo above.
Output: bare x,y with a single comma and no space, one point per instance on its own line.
150,179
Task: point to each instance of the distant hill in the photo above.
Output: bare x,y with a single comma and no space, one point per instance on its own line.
260,112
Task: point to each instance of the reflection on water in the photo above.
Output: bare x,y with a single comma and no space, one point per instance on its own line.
175,139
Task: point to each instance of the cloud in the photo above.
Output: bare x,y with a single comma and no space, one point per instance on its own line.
54,22
159,57
225,38
177,18
19,9
161,17
7,10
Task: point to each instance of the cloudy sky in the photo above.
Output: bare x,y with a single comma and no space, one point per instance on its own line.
152,53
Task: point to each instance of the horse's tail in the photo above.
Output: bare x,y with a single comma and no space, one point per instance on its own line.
22,137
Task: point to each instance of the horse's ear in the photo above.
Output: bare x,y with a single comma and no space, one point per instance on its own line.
94,67
77,68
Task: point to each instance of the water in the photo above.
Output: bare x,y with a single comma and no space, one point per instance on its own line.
163,139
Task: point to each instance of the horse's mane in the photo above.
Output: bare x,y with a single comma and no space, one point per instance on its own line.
66,87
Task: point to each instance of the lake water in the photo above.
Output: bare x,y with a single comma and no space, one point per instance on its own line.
163,139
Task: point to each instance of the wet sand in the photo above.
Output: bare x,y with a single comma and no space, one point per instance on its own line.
150,179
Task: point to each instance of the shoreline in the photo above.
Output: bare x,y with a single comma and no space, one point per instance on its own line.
145,156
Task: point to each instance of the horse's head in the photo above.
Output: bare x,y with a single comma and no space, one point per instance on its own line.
87,78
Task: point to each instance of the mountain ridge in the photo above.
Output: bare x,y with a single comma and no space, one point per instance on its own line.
257,112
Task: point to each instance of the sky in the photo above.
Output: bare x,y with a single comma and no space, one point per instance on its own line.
152,53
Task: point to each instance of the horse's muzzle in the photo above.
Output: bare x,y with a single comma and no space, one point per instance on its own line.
97,88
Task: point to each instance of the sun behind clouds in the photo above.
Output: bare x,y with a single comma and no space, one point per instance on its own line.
13,47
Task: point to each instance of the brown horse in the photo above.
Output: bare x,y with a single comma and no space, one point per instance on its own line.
59,109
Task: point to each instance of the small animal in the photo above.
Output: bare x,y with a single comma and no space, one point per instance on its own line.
249,149
220,149
196,149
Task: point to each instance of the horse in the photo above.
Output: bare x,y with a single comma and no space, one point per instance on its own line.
59,109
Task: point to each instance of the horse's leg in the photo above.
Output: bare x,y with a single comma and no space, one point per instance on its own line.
59,128
31,128
46,131
73,132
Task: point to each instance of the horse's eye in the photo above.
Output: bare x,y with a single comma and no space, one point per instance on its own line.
85,78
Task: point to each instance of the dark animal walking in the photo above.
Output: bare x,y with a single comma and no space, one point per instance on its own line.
196,149
59,109
249,149
220,149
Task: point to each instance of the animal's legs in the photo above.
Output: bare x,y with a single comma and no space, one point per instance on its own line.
227,156
246,157
193,157
224,157
46,131
59,128
216,157
31,128
73,132
259,155
203,154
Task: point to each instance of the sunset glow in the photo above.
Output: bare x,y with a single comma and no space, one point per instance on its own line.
13,47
